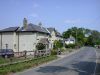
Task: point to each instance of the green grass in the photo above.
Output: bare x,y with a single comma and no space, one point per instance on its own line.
25,65
2,60
14,59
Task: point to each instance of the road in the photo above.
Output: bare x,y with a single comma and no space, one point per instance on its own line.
82,62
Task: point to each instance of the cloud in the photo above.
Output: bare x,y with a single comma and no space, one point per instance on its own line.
72,21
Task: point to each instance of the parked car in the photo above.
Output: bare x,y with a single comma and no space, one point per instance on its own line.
6,53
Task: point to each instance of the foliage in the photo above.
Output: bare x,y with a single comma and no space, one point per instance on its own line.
83,36
24,65
54,52
70,46
40,46
58,44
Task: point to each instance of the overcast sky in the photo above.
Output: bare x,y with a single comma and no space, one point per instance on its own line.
61,14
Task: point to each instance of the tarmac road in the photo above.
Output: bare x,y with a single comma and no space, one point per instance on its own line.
82,62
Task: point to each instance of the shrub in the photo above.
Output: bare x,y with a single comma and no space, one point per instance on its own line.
40,46
70,46
54,52
58,44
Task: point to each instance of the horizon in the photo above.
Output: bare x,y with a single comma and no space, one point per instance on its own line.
61,15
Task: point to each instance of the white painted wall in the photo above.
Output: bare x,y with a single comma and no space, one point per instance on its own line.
27,41
53,38
41,35
7,38
69,42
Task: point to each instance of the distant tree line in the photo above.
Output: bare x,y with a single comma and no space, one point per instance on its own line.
83,36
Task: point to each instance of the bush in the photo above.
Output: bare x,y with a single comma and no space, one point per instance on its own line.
53,52
70,46
40,46
58,44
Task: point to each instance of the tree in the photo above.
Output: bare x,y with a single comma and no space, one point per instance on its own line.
83,36
58,44
40,46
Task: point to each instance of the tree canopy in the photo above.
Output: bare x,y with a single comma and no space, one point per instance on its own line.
83,36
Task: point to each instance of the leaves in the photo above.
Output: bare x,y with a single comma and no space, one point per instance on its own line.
83,36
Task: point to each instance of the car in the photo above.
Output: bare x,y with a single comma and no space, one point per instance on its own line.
6,53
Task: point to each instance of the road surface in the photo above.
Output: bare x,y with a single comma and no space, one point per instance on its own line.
82,62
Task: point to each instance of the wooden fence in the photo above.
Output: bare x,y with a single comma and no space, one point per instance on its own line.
36,53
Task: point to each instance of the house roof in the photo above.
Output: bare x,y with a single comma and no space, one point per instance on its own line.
10,29
44,41
35,28
30,27
51,29
70,38
56,32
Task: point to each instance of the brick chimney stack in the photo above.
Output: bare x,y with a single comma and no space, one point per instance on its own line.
25,23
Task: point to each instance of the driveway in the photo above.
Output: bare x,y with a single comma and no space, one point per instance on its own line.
82,62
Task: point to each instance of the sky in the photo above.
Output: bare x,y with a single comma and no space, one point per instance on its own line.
61,14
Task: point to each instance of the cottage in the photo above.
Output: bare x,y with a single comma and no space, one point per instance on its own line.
70,40
54,35
22,38
25,38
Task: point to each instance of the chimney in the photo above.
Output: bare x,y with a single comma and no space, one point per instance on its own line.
25,23
40,24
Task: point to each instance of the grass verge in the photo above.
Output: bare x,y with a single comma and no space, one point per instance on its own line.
5,70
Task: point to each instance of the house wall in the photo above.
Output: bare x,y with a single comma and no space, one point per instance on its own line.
23,40
27,41
69,42
7,38
41,35
53,38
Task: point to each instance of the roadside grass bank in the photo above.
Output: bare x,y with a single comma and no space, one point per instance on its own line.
13,59
13,68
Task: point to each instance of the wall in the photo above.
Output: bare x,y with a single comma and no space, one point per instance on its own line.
21,41
7,38
27,41
53,38
41,35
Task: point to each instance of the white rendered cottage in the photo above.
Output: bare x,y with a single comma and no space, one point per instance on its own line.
70,40
54,35
23,38
26,37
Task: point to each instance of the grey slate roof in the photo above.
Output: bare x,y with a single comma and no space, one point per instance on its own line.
34,28
44,41
70,38
53,29
30,27
10,29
